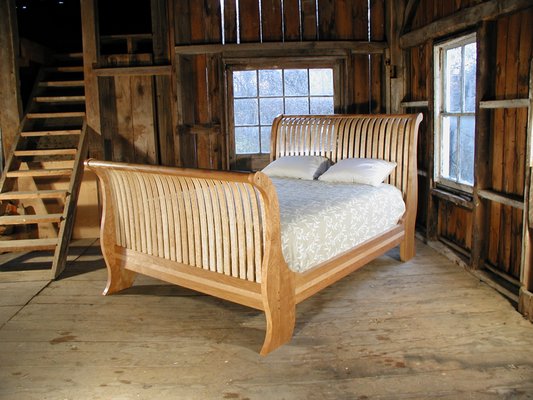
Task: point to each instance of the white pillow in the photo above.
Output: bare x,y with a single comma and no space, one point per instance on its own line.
369,171
300,167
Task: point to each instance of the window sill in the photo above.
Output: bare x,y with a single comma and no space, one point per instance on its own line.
461,200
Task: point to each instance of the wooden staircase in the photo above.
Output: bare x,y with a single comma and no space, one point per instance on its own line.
45,165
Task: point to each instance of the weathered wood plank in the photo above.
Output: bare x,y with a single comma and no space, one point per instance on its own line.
10,97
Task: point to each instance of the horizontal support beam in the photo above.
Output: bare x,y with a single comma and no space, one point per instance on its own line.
148,70
462,20
415,104
502,198
512,103
353,47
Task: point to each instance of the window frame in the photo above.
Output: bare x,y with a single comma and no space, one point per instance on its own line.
259,160
439,50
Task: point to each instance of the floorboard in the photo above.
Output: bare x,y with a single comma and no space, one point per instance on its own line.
425,329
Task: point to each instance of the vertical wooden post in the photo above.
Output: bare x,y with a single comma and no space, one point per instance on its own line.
163,44
525,303
486,37
394,60
10,100
90,39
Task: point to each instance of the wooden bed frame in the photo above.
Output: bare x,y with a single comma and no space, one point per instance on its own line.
219,232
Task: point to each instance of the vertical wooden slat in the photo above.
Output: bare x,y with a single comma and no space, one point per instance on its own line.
327,29
271,21
124,140
484,89
292,21
249,21
309,20
143,118
230,21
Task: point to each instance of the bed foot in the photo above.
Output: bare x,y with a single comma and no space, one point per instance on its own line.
280,313
407,250
118,279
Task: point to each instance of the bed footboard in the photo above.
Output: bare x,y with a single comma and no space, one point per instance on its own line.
214,232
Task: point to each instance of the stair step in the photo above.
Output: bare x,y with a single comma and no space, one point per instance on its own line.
61,83
76,68
51,133
28,244
59,99
46,152
69,114
40,173
40,194
30,219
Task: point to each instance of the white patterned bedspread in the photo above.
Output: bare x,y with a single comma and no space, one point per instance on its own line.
320,220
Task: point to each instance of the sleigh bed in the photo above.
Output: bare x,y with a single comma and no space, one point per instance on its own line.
220,232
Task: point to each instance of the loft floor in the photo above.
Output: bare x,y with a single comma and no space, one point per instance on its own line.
418,330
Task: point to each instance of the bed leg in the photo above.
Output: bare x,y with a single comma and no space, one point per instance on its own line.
118,277
408,245
280,311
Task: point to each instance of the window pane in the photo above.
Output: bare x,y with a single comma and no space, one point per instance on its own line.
244,84
245,111
453,82
448,148
296,83
247,140
297,105
321,82
470,78
269,108
270,82
321,105
466,150
265,139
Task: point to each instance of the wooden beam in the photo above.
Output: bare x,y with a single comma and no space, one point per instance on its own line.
354,47
527,253
501,198
486,39
89,28
415,104
149,70
511,103
410,12
395,75
463,19
10,99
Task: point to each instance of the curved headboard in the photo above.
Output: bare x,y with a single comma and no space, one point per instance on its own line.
385,136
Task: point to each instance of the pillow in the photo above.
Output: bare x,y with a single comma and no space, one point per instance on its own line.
368,171
300,167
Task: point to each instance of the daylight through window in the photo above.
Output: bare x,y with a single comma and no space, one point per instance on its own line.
260,95
455,102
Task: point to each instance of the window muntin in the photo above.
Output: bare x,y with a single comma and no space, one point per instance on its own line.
260,95
455,101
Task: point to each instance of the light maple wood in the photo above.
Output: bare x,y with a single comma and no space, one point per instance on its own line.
219,233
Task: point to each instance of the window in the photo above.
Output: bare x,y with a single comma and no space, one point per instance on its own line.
455,106
259,95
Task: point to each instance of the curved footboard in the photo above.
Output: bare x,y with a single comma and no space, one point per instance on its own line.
211,231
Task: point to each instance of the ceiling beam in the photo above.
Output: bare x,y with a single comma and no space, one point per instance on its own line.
462,20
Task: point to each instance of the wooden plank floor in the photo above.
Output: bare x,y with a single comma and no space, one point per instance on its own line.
418,330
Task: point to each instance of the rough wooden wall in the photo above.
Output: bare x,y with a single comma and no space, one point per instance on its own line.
201,122
511,54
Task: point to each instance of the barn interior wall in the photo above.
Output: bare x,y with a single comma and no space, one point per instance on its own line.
491,228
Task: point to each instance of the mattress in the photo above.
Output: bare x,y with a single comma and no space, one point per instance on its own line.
320,220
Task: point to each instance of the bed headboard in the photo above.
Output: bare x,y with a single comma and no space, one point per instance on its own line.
386,136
